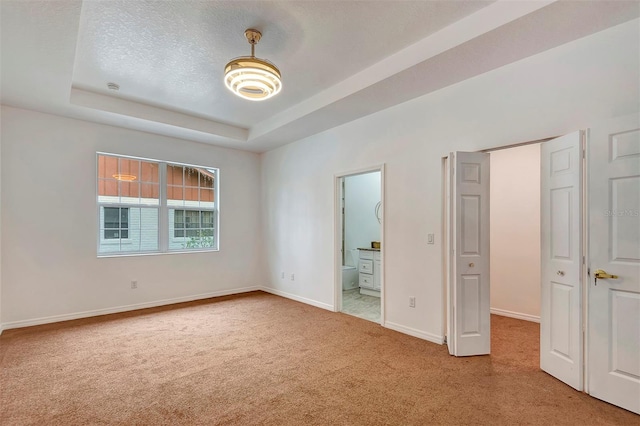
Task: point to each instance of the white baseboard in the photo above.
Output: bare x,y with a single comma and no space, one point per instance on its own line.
516,315
374,293
311,302
97,312
415,332
86,314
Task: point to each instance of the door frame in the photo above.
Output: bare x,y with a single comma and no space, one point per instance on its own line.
337,228
446,231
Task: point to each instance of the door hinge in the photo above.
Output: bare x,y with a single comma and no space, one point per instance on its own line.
583,260
445,340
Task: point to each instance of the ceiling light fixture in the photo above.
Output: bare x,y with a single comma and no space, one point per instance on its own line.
250,77
125,178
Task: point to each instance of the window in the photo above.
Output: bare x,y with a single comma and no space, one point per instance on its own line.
137,196
193,223
116,223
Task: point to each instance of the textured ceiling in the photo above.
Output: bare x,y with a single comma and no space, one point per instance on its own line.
340,60
172,54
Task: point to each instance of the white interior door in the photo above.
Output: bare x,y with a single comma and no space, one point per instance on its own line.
614,247
469,283
561,343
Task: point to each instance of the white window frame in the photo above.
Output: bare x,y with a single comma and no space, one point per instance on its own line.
170,237
163,211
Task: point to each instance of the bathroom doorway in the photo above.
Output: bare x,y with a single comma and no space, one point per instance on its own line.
359,220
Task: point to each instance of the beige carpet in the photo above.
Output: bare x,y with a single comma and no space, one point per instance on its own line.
259,359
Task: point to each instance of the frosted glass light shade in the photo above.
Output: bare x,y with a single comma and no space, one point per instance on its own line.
252,78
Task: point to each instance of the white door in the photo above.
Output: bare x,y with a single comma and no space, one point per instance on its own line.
469,283
561,352
614,247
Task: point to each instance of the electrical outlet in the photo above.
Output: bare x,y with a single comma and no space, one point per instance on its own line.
282,276
412,302
134,285
292,277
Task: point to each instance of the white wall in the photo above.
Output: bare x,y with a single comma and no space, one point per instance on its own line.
362,193
49,261
515,232
549,94
1,321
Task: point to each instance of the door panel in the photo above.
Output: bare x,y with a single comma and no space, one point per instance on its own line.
469,286
614,246
561,244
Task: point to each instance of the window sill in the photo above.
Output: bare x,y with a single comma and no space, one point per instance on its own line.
110,255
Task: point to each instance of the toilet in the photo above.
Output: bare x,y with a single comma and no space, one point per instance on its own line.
350,270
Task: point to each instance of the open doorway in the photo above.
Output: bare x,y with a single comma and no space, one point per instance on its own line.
588,294
515,273
515,232
359,283
560,252
499,272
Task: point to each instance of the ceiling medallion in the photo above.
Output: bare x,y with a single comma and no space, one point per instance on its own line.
252,78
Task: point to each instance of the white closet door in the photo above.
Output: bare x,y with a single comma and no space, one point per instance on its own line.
561,244
469,285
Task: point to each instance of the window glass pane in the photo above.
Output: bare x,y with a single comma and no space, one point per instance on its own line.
192,218
207,219
175,193
130,167
149,172
191,194
206,179
191,229
206,197
124,218
191,176
174,175
130,192
107,167
116,223
149,192
119,180
108,187
111,217
139,235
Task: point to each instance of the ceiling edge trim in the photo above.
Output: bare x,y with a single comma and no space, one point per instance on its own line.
88,99
481,22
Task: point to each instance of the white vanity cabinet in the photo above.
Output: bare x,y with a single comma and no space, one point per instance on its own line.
369,271
376,271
